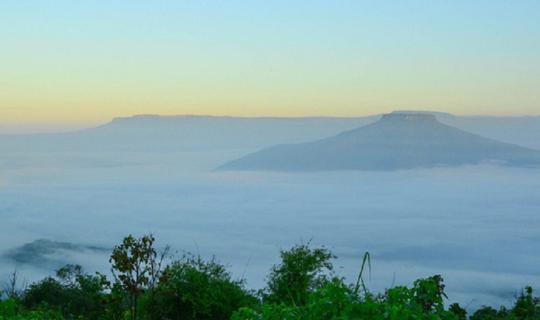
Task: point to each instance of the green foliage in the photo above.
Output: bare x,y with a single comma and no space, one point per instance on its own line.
425,300
366,260
49,293
301,271
488,313
429,293
458,311
131,267
34,315
337,301
72,293
136,266
192,288
526,307
333,300
9,308
302,286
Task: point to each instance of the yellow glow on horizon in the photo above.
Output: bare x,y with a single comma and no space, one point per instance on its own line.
100,108
99,94
88,62
100,112
97,91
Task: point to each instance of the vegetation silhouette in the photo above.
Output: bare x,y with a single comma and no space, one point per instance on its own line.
302,286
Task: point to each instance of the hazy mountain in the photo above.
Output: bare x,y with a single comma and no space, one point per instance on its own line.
149,133
400,140
522,130
175,133
45,253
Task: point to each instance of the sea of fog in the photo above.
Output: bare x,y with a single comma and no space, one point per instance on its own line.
478,226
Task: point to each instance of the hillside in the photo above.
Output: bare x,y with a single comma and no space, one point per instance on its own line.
400,140
149,133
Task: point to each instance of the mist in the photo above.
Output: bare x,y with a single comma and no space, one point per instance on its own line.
475,225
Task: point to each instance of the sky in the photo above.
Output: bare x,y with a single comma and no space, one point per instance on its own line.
84,62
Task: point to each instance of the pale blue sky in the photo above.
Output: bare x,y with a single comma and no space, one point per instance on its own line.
92,60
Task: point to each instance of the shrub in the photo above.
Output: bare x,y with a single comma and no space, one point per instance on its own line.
301,271
301,286
195,289
72,294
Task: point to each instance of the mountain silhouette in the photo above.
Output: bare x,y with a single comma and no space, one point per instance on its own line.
399,140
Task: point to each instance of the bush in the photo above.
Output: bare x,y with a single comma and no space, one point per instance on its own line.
73,294
301,286
302,270
335,300
195,289
12,309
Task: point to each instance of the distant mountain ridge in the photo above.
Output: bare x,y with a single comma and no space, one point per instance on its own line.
178,133
399,140
154,133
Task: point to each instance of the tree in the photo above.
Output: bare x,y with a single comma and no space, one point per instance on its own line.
136,267
458,311
48,292
429,293
12,287
527,306
301,271
192,288
73,293
486,313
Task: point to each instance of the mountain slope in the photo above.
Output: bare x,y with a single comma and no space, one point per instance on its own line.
397,141
178,133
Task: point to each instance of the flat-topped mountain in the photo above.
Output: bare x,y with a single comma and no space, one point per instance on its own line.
399,140
153,133
177,133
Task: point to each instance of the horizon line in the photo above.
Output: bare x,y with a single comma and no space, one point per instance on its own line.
51,127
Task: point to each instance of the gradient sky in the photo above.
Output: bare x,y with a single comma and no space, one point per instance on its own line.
89,61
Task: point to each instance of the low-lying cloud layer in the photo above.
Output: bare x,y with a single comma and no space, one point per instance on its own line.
70,198
477,226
